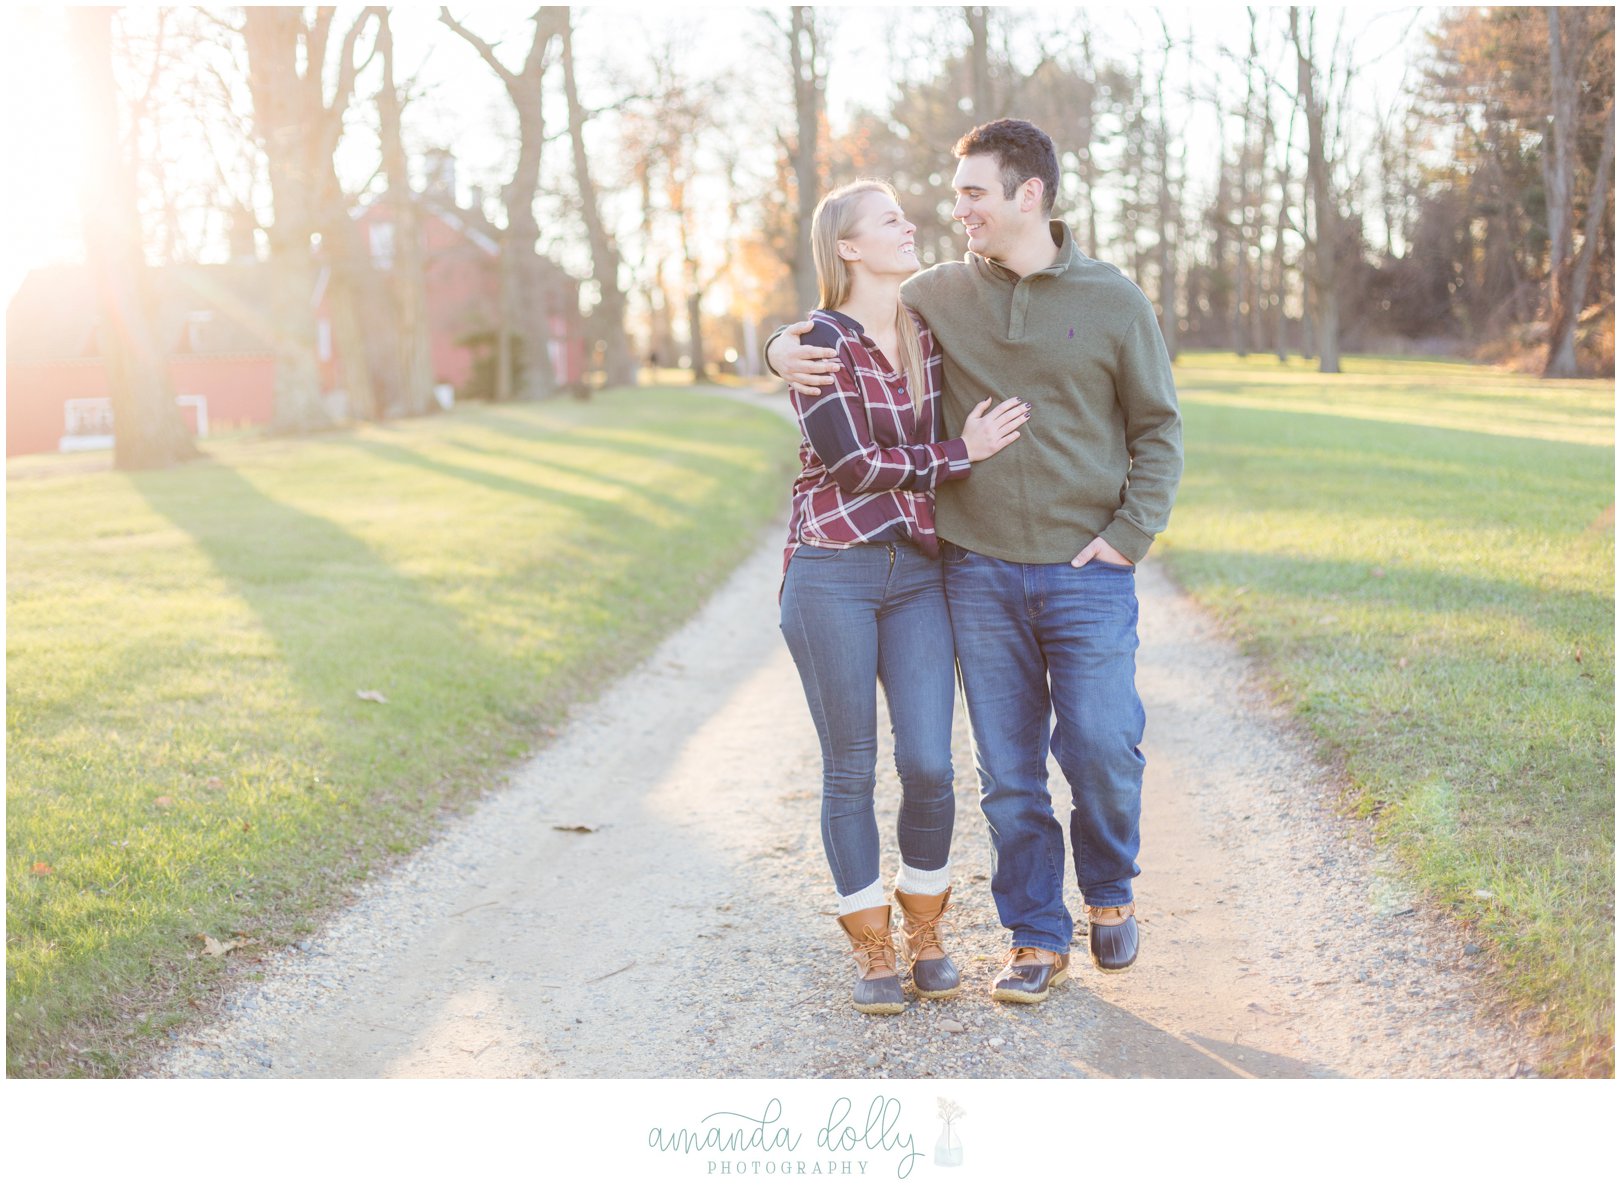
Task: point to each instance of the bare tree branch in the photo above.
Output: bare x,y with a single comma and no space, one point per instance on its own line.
484,48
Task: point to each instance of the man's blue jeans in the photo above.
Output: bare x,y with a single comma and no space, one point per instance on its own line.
1032,641
853,618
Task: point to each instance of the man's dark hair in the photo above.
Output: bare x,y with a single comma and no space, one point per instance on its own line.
1022,151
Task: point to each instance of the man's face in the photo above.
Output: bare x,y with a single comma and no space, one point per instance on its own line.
992,222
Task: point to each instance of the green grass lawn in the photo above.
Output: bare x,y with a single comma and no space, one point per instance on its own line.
1423,554
186,750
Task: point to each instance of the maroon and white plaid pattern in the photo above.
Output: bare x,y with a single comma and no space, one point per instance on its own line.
869,463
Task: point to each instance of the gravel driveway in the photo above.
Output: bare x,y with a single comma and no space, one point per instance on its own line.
648,898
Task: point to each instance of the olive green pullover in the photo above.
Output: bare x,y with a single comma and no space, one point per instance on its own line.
1102,452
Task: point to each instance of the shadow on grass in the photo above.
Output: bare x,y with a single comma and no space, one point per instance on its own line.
342,617
577,501
1304,462
1398,586
1520,405
665,451
549,464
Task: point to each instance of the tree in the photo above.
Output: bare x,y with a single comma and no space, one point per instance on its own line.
1167,207
1505,216
147,427
407,280
805,34
523,302
1313,91
298,131
979,62
1249,199
609,316
1572,34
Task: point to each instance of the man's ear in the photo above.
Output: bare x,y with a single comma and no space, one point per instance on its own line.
1030,194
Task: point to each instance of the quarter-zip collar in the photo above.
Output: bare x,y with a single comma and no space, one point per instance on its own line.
1067,255
1019,306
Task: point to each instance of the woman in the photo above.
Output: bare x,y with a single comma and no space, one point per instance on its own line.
862,600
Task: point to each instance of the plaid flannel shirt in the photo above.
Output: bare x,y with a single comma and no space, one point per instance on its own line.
869,462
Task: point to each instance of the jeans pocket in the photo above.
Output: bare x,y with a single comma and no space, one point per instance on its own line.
816,552
951,554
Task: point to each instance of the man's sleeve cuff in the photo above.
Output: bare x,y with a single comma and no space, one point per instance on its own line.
1128,539
765,351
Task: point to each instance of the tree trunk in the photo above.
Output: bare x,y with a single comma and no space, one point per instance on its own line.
1243,299
1165,261
1597,201
695,292
523,323
148,430
979,57
619,368
349,259
1088,162
1325,242
1567,53
695,324
406,277
283,121
1280,263
809,98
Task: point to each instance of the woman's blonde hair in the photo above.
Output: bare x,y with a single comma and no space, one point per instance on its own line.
835,219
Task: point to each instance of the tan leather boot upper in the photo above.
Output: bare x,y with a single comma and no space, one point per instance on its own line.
920,928
868,931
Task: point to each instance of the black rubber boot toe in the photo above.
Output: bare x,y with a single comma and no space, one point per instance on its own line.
1114,947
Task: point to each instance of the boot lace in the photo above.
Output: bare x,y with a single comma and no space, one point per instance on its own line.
876,952
1023,955
921,933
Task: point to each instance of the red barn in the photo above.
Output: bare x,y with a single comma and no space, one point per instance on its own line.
56,387
215,319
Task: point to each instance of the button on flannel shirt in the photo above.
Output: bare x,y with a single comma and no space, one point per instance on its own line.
869,463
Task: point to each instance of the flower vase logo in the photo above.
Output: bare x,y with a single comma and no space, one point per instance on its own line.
948,1148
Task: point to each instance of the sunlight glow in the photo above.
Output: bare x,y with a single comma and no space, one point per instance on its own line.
41,138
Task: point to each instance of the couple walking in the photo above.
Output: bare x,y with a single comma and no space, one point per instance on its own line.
936,532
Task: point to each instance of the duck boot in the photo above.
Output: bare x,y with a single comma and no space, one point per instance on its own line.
877,988
1028,974
934,974
1112,936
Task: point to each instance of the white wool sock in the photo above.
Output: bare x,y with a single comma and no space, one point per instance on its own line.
923,883
871,896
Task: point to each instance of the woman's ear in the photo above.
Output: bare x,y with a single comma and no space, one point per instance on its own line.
848,251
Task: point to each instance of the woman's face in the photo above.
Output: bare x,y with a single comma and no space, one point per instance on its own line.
881,239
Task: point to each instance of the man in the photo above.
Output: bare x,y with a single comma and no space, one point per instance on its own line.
1039,544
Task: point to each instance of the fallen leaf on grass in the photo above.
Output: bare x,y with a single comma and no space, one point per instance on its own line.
371,695
218,949
163,802
214,782
1402,663
578,828
42,869
1578,654
1378,571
